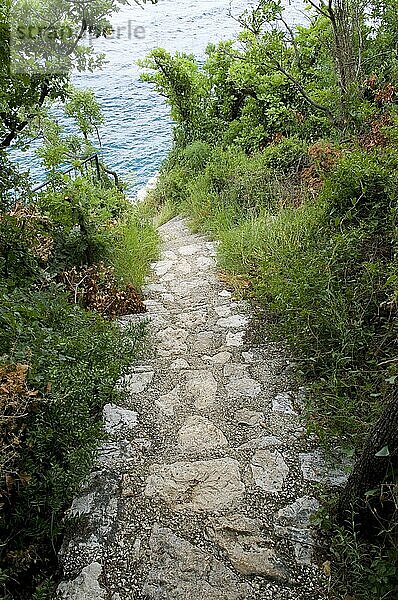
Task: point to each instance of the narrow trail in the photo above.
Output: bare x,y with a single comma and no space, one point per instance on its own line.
206,485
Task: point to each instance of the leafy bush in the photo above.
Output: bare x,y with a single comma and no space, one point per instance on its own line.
75,359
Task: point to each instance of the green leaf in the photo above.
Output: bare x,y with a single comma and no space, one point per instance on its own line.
383,452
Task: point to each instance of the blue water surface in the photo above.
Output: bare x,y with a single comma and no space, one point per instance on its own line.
137,132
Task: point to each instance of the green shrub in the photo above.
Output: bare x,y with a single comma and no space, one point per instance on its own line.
75,359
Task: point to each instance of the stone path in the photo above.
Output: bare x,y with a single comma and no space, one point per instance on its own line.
206,485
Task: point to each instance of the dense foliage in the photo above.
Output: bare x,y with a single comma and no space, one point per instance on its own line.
285,150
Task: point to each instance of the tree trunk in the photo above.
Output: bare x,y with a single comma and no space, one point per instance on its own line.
371,471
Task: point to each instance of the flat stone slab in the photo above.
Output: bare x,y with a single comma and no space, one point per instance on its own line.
201,388
269,470
178,364
167,403
245,387
218,359
251,418
314,468
248,549
172,341
235,340
209,486
136,383
118,420
198,434
180,571
162,267
233,322
85,586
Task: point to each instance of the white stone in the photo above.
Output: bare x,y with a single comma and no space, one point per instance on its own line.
172,341
117,419
193,319
199,486
189,250
168,298
235,339
204,341
181,571
162,267
248,357
225,294
218,359
223,311
243,387
249,417
179,364
283,403
135,383
169,255
198,434
201,387
314,468
246,547
85,586
269,470
183,267
168,402
233,322
293,522
205,262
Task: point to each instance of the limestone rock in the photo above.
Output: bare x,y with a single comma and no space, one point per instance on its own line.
247,548
201,387
283,403
235,339
269,470
119,419
204,263
162,267
181,571
168,402
189,250
218,359
245,387
293,522
136,383
198,434
251,418
172,341
200,486
233,322
223,311
204,341
85,586
314,468
178,364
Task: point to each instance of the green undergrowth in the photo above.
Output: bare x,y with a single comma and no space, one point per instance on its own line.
59,363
